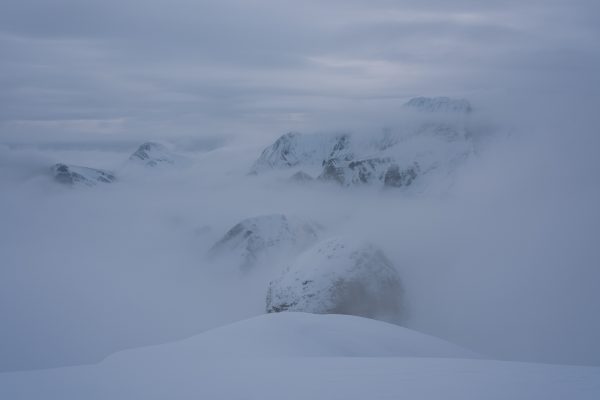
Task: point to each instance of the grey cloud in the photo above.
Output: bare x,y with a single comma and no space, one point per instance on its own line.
182,66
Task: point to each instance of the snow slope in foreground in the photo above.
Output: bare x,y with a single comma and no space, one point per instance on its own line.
304,356
295,334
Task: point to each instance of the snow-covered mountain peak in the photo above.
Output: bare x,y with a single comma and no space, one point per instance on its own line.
434,142
264,237
294,149
77,175
152,154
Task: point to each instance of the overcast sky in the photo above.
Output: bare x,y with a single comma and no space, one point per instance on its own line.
171,67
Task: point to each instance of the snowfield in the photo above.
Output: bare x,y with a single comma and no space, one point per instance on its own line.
305,356
295,334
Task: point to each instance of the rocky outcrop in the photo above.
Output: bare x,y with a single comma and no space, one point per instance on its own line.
368,170
333,171
338,276
396,177
358,172
265,238
76,175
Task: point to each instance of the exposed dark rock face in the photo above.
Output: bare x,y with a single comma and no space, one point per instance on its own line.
75,175
395,177
339,277
366,171
333,172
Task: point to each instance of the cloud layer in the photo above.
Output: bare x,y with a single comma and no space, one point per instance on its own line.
189,67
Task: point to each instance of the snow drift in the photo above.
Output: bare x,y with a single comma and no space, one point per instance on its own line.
304,356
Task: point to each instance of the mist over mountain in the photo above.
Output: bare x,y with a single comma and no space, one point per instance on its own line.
387,198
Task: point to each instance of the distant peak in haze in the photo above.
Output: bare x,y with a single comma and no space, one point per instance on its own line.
152,154
76,175
433,145
293,149
253,239
439,104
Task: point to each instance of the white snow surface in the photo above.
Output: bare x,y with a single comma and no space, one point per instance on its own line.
304,356
297,334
